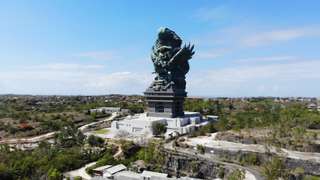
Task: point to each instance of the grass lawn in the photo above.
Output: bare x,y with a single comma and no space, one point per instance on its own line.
101,131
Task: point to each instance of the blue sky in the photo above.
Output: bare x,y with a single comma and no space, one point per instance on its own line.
247,48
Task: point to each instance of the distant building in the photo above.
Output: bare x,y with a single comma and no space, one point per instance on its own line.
113,170
108,170
106,110
127,175
312,107
149,175
120,172
99,171
212,118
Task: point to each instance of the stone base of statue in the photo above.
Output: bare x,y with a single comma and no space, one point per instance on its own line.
140,125
164,101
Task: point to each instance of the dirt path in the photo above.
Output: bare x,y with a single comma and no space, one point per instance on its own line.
34,139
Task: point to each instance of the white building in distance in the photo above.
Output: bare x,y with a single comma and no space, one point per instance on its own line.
108,110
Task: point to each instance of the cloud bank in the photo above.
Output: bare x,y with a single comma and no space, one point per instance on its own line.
71,79
295,77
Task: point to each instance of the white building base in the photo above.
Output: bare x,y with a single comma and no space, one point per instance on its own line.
141,124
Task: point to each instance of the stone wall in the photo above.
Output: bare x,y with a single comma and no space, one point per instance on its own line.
179,164
310,167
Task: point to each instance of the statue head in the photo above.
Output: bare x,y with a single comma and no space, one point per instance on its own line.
168,37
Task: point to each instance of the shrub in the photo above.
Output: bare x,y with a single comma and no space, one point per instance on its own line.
95,141
249,159
238,174
54,174
158,128
201,149
274,169
221,172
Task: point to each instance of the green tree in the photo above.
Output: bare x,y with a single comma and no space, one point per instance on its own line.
152,154
107,159
77,178
5,172
238,174
95,141
69,136
54,174
201,149
158,128
274,169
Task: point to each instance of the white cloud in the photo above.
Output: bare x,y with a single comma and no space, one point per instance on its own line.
209,54
98,55
291,78
129,82
279,35
267,59
248,36
213,13
65,66
296,78
75,79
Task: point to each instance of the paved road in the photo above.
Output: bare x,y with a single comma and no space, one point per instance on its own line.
86,126
212,142
34,139
80,172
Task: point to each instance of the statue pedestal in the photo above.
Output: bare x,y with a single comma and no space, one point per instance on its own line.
140,125
165,102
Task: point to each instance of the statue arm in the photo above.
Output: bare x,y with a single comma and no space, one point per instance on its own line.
184,54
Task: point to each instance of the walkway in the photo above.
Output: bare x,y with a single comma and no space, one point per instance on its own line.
81,172
211,142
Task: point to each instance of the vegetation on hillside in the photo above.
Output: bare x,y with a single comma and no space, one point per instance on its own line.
289,125
47,161
286,124
22,116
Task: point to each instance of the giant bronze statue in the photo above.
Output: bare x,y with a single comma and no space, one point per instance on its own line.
166,94
170,60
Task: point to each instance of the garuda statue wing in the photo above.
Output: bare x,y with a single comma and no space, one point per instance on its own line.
181,58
